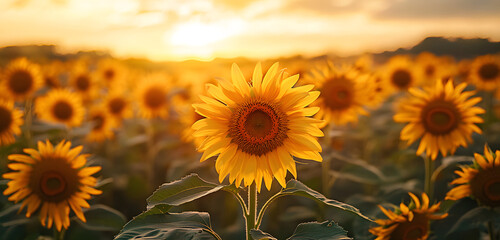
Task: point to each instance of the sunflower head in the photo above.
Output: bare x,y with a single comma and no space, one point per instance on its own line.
82,81
255,127
10,121
110,73
118,106
21,79
60,106
407,222
443,118
53,179
485,72
102,125
400,73
344,94
52,73
151,95
480,180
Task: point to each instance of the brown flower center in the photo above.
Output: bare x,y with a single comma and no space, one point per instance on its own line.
21,82
109,74
485,186
258,127
62,110
82,83
5,119
413,230
430,70
489,71
155,97
440,117
53,179
116,105
337,93
98,120
401,78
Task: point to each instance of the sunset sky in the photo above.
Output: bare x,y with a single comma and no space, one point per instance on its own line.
203,29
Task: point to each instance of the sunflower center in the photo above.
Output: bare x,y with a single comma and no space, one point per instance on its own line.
53,179
98,121
155,97
413,230
62,110
52,183
440,117
116,105
485,186
109,74
489,71
258,127
51,81
430,70
5,119
337,93
401,79
21,82
82,83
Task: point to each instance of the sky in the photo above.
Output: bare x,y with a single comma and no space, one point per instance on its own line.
176,30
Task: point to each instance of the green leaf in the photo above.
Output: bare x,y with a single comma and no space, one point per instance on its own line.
103,218
186,225
451,162
184,190
260,235
294,187
328,230
473,219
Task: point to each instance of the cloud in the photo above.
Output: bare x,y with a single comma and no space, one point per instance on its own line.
440,9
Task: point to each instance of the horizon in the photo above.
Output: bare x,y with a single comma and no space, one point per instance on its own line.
205,30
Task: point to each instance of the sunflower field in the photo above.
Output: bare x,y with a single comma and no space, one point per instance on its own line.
97,147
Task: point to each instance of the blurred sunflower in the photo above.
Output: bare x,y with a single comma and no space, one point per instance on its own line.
10,121
102,125
430,67
256,127
480,180
118,106
83,82
110,73
485,72
187,119
407,222
52,73
400,73
60,106
21,79
344,94
54,179
443,117
151,95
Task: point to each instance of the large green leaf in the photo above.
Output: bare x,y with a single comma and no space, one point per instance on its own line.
260,235
294,187
164,225
328,230
184,190
474,219
103,218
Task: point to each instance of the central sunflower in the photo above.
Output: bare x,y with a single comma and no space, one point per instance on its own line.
443,116
256,127
60,106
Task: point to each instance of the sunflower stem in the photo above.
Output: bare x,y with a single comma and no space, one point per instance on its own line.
59,235
252,209
429,169
491,230
28,109
264,208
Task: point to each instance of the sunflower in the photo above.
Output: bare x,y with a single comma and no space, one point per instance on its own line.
187,119
102,125
83,82
344,94
110,73
118,106
10,121
52,73
407,222
443,117
431,68
480,180
485,72
21,79
256,127
54,179
400,73
60,106
151,95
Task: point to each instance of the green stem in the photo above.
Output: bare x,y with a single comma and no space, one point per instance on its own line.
491,230
429,169
252,209
59,235
264,208
28,111
241,202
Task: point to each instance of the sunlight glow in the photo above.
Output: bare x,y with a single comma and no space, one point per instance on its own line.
197,33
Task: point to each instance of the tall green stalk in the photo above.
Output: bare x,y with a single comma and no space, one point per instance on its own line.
252,209
429,170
